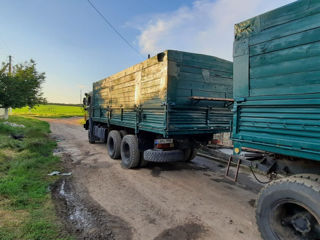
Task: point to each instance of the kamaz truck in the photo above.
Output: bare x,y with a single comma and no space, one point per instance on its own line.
161,109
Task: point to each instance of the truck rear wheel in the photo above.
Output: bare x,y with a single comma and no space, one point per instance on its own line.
289,208
130,155
114,144
189,154
90,137
123,133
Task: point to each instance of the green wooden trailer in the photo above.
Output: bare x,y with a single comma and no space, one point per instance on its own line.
277,109
167,104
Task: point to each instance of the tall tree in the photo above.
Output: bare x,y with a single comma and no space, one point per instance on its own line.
22,87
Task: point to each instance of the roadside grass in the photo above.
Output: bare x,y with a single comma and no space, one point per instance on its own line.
50,111
26,208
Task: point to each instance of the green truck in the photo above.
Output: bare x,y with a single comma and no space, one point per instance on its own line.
277,110
165,107
161,109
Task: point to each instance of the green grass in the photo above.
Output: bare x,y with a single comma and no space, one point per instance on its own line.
26,209
50,111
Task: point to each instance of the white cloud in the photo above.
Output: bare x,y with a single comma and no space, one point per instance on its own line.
205,27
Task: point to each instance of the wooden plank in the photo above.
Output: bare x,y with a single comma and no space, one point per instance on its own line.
293,66
308,37
299,25
283,115
178,56
281,81
287,13
213,70
225,67
241,75
285,90
299,52
214,89
204,58
212,99
213,78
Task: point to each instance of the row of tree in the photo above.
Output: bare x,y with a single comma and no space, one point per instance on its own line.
20,86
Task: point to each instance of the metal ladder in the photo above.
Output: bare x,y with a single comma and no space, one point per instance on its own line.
227,174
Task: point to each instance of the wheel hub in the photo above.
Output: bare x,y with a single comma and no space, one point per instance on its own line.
301,222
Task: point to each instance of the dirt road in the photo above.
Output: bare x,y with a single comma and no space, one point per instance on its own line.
169,201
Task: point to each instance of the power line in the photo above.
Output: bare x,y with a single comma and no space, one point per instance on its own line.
114,29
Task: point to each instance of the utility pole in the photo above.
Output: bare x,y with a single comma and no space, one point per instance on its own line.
10,65
80,96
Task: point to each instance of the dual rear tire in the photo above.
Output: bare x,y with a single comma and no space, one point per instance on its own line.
119,143
130,155
114,144
190,154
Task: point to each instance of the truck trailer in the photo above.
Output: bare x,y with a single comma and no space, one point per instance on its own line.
277,110
161,109
164,108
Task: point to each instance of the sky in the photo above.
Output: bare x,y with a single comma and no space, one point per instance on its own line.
72,44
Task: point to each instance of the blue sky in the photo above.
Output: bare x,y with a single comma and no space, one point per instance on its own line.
73,45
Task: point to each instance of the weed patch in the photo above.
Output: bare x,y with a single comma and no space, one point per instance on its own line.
26,210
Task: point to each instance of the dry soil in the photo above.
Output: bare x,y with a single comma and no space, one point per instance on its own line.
101,200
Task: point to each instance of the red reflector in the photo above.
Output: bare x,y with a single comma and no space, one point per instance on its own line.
215,141
163,145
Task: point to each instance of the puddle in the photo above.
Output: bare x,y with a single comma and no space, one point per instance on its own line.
77,214
84,218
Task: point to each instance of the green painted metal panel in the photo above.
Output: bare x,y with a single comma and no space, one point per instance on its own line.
241,68
155,95
280,111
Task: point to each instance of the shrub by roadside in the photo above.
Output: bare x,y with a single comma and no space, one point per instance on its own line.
26,208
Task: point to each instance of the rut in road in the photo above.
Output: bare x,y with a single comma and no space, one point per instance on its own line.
170,201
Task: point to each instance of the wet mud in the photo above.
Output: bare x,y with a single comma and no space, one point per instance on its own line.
84,218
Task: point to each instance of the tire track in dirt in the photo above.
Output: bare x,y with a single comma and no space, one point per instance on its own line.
168,201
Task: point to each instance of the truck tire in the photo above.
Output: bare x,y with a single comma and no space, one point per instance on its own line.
91,136
289,208
114,144
189,154
312,177
123,133
130,155
152,155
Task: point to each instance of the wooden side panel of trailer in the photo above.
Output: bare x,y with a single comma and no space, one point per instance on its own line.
155,95
277,81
